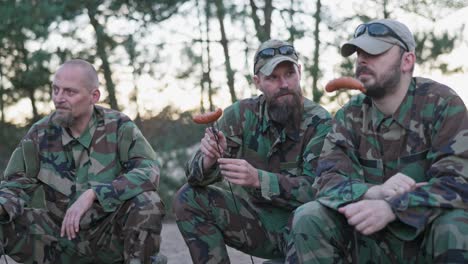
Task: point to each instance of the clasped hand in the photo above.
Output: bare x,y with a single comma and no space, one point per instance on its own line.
373,213
237,171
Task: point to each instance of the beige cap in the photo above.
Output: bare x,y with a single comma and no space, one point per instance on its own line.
267,65
377,45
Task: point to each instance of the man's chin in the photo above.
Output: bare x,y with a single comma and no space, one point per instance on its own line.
62,119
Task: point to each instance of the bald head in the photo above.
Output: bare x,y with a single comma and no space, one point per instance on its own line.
89,76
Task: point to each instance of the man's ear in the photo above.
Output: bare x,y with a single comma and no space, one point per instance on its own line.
408,61
256,80
95,95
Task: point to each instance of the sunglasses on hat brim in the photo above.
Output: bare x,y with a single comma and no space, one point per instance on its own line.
378,30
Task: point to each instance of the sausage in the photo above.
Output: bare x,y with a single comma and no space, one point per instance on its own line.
208,117
344,83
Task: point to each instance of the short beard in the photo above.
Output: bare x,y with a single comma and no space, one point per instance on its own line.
386,85
63,119
289,113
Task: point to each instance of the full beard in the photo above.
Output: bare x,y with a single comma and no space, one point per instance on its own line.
288,113
63,119
385,85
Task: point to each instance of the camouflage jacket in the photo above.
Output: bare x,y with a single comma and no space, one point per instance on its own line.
285,159
63,167
426,139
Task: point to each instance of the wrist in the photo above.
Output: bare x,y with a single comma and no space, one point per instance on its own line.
91,194
373,193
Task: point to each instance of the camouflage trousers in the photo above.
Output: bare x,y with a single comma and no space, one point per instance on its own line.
322,235
131,232
208,220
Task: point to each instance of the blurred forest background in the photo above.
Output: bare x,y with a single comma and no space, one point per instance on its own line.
161,61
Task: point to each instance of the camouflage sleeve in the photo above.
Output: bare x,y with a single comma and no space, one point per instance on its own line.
291,192
140,172
448,173
19,179
339,179
196,176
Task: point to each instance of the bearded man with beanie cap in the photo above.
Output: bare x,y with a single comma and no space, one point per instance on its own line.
392,176
267,147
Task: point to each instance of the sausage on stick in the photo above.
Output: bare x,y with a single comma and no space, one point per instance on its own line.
208,117
344,83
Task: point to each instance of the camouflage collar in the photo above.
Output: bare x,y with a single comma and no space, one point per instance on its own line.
403,114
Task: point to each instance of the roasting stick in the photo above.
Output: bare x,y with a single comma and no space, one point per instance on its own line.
351,84
209,118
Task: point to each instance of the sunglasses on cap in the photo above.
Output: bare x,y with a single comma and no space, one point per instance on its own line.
378,30
271,52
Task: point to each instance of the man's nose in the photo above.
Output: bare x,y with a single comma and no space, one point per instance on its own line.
283,82
362,57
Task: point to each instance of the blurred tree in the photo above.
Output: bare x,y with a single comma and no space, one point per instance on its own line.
263,30
24,62
220,14
100,15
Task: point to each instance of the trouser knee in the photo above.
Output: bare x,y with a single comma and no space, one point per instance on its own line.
190,199
145,209
313,217
449,236
181,199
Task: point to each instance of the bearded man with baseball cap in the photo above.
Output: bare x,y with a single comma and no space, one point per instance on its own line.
392,176
267,148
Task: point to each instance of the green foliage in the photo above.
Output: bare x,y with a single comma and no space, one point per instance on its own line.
171,130
173,135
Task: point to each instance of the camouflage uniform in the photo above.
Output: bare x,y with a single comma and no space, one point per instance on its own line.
285,160
426,139
44,179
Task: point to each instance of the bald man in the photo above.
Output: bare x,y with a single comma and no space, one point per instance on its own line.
81,187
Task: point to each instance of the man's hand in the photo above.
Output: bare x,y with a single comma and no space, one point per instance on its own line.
368,216
71,221
240,172
396,185
210,149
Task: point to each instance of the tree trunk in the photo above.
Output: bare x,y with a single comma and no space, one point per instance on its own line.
263,31
33,104
102,54
268,11
207,74
316,94
28,86
220,13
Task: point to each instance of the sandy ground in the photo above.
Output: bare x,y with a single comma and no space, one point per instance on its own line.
173,246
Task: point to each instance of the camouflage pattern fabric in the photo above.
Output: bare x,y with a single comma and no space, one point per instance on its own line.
285,160
322,235
67,168
426,139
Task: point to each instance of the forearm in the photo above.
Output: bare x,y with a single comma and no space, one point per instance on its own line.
142,176
284,190
14,194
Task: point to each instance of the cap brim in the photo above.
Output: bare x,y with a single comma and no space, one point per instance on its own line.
371,45
270,66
